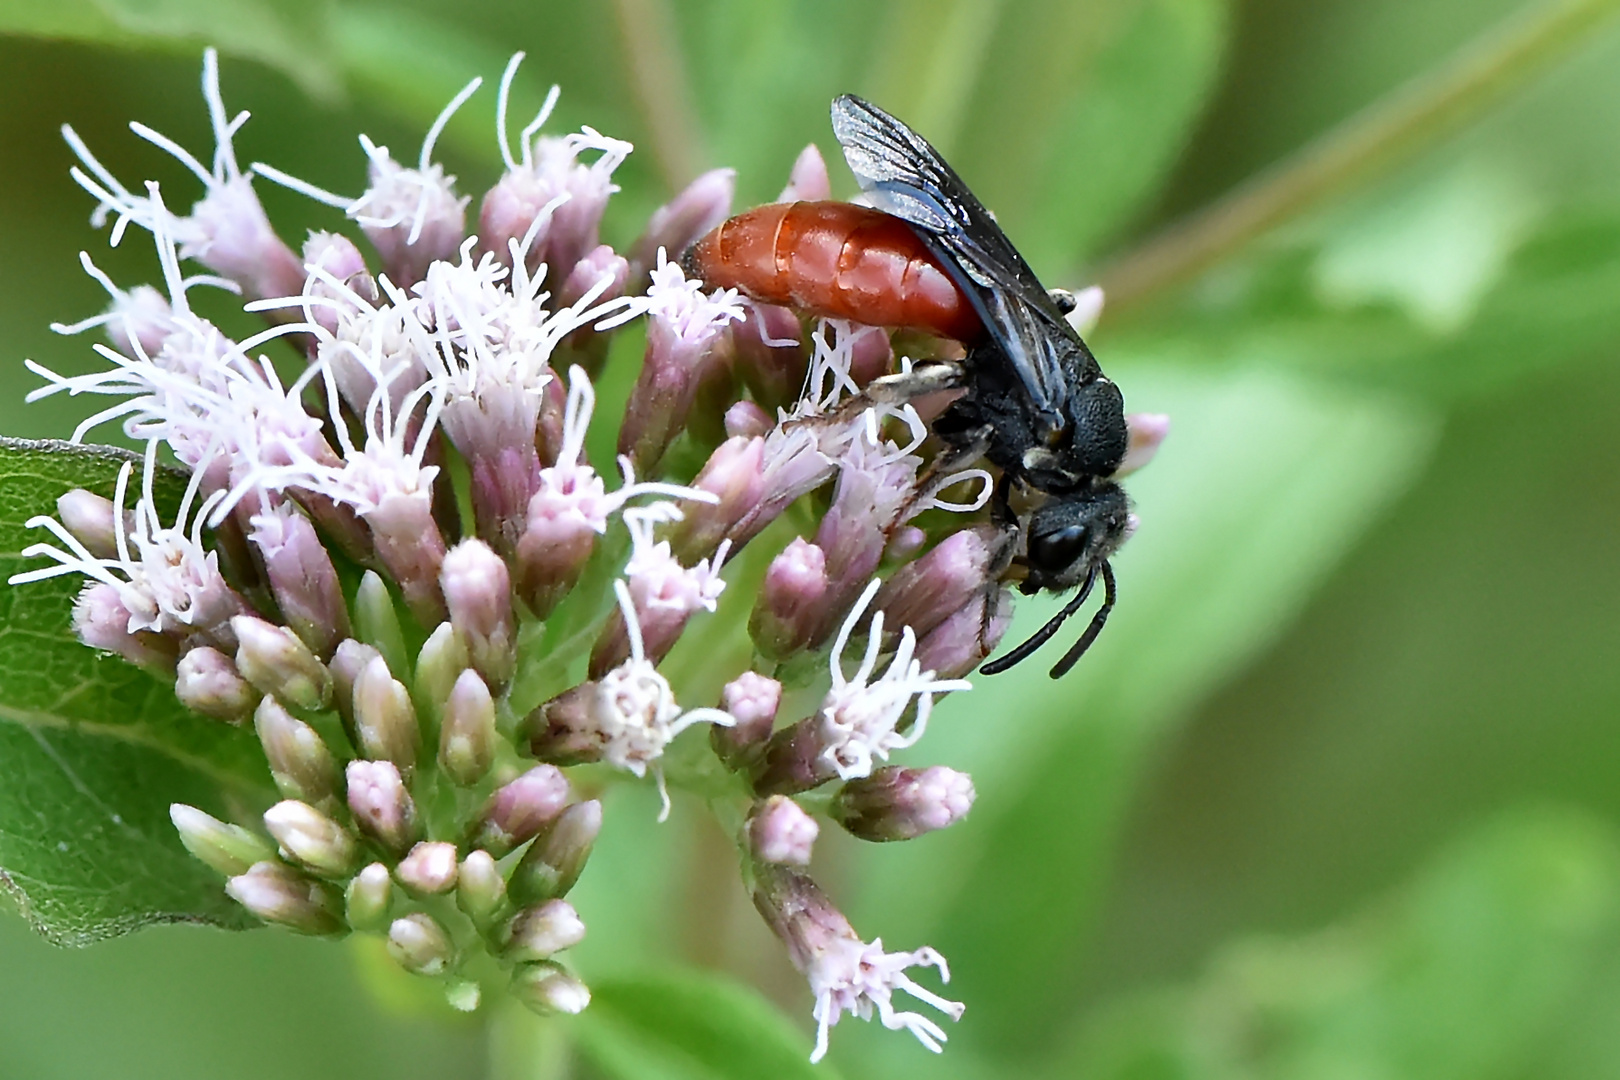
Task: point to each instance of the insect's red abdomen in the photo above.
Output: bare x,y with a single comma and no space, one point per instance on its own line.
836,259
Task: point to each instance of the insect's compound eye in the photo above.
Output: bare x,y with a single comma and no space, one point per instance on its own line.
1059,549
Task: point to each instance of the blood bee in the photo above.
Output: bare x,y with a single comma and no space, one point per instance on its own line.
931,257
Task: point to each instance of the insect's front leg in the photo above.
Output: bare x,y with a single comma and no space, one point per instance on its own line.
904,386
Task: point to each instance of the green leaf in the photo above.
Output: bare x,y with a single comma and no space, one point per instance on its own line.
689,1026
285,34
1500,960
1264,483
92,750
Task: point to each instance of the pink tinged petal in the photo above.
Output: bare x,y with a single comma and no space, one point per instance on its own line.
779,831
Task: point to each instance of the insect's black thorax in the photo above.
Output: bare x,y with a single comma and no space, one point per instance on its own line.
1084,439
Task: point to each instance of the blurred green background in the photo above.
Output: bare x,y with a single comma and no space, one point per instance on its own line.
1336,796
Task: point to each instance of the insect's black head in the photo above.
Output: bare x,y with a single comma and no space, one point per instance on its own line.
1070,534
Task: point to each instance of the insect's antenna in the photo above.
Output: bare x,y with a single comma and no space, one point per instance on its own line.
1044,634
1078,649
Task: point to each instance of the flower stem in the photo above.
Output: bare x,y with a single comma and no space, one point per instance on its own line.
657,72
1363,147
523,1046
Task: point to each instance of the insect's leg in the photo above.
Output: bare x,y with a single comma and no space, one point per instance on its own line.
904,386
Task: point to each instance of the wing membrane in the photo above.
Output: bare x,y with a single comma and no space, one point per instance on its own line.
907,178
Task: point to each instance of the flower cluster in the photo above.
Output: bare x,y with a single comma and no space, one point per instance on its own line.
398,563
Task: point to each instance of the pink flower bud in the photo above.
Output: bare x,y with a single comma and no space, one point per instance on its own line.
481,890
735,474
549,989
230,849
557,857
747,420
791,600
381,805
349,659
699,207
752,699
539,932
520,809
302,577
429,869
1147,433
207,681
478,592
467,735
962,642
89,517
420,945
384,718
277,663
808,181
779,831
925,593
300,763
368,896
311,838
900,804
281,895
771,354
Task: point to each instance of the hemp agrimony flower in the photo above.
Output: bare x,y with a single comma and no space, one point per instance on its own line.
396,561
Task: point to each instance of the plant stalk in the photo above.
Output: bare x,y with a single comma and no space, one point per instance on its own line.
1363,147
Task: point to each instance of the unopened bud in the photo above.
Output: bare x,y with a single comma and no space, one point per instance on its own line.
230,849
368,897
699,207
376,621
924,593
478,592
430,868
348,661
538,932
552,552
440,663
384,719
808,181
281,895
207,681
467,734
302,577
277,663
89,517
900,804
556,858
549,989
420,945
481,890
311,838
521,808
381,805
779,831
771,355
1147,432
960,643
790,601
300,763
752,700
735,475
747,420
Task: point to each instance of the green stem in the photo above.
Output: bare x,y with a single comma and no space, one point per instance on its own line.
657,75
523,1046
1363,147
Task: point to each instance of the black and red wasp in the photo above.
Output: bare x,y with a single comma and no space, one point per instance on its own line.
931,257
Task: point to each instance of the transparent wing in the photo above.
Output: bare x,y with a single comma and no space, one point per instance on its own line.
907,178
